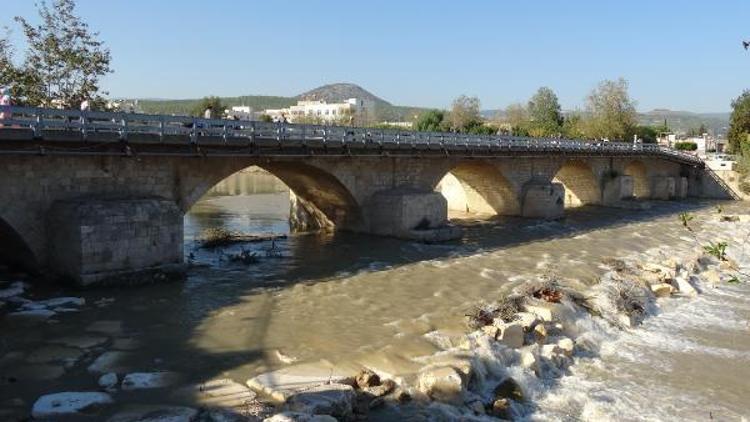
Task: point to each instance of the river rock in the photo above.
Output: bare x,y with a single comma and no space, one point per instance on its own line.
299,417
511,335
111,361
54,353
223,393
527,320
68,403
15,289
367,378
106,327
528,360
662,289
149,380
108,381
285,382
444,383
61,301
685,287
711,276
509,389
31,316
327,399
566,346
81,342
151,413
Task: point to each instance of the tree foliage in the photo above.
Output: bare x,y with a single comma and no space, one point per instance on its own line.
64,61
611,112
464,114
210,102
545,114
517,117
739,124
430,121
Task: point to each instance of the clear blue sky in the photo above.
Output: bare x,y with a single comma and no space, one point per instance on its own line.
682,55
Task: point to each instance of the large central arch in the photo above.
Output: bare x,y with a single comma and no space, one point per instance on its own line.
581,185
313,190
478,187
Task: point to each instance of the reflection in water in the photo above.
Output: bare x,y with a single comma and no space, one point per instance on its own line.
343,297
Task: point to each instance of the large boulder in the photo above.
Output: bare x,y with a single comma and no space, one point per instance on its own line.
444,383
283,383
223,393
68,403
327,399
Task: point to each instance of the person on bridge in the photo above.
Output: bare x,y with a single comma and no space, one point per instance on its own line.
208,113
5,101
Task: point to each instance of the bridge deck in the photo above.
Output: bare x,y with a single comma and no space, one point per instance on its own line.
72,132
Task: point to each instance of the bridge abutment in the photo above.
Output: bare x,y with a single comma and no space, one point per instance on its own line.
410,214
543,200
117,241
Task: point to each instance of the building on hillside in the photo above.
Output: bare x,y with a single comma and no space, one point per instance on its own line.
242,113
351,111
705,144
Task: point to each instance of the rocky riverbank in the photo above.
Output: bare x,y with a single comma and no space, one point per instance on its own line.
517,348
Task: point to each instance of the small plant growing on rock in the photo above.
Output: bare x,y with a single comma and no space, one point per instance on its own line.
685,219
734,280
717,250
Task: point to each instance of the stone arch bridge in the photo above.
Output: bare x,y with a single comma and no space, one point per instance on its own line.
99,197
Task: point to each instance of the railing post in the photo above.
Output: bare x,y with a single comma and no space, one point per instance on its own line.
252,131
38,125
194,132
84,123
161,128
224,132
123,128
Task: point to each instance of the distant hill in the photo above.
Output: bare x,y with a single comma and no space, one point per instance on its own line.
384,111
682,121
333,93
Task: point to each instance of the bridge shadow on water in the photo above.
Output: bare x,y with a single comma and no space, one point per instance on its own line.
174,323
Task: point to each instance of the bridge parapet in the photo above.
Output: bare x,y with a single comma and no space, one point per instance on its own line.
235,137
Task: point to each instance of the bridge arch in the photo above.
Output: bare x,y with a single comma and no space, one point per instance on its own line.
478,187
14,250
313,191
638,171
581,185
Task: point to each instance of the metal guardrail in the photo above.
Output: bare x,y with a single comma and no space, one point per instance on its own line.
124,126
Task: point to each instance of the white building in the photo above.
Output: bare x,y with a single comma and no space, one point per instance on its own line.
241,113
349,111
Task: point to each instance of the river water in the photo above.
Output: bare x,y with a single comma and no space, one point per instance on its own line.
354,299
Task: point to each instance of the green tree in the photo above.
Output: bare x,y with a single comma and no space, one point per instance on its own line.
64,61
611,112
464,113
739,125
545,114
430,121
210,102
573,126
647,134
517,117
